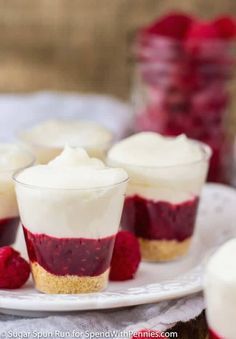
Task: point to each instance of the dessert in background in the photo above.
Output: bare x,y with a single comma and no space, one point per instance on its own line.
184,67
220,292
166,177
70,211
12,158
48,138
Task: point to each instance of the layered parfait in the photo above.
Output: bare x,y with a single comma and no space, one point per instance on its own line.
70,211
220,292
12,158
166,177
47,139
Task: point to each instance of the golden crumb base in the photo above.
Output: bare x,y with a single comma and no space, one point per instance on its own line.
163,250
70,284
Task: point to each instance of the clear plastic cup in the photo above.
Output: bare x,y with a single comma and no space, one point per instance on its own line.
220,291
70,234
12,158
161,205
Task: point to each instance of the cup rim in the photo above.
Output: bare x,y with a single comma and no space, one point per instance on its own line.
23,149
206,155
81,189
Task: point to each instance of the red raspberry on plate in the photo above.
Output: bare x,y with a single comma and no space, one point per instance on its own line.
126,257
147,334
14,270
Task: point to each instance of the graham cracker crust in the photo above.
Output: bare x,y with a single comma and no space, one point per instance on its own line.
70,284
163,250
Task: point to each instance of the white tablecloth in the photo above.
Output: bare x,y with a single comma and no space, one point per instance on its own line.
159,316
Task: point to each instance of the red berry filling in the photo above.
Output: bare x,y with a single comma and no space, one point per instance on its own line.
159,220
126,257
8,228
14,270
72,256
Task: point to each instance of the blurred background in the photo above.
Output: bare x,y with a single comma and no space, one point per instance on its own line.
80,45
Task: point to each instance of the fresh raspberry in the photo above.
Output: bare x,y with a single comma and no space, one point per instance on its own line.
226,25
126,257
198,38
173,25
145,333
203,30
14,270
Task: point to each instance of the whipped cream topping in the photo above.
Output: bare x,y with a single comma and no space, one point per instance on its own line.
152,149
77,133
220,291
162,168
73,168
73,196
12,158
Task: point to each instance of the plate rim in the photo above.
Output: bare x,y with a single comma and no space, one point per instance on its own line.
92,301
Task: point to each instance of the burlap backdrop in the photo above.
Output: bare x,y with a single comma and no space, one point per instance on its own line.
79,44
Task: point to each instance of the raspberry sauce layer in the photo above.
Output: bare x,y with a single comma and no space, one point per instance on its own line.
212,335
70,256
159,220
8,229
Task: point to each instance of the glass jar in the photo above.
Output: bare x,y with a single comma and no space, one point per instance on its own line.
184,87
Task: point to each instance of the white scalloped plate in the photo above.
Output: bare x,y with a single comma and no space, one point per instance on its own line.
154,282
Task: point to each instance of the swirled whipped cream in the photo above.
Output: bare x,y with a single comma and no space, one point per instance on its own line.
73,168
220,291
73,196
58,132
12,157
48,138
162,168
152,149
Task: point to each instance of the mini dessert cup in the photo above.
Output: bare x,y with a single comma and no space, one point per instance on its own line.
12,158
220,292
48,139
161,205
70,234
